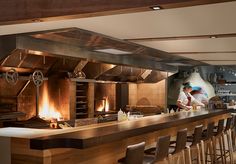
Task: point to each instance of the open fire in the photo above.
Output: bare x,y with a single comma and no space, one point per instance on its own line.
104,106
47,110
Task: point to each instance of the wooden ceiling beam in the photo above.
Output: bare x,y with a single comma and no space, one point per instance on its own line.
24,11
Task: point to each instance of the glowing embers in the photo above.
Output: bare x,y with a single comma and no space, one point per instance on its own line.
104,105
47,109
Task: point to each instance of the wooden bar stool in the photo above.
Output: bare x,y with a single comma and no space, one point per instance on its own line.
218,141
196,146
228,140
161,150
196,137
135,155
233,130
180,143
207,138
178,149
228,123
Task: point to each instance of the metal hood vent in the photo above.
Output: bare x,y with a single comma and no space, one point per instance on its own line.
100,72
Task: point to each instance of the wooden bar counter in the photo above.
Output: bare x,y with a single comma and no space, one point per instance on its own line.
98,143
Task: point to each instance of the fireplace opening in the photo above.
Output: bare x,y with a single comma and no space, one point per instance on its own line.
105,99
47,108
102,105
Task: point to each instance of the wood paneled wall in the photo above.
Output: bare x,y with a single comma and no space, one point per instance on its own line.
148,94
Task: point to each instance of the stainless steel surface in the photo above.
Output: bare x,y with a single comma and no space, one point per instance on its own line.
62,49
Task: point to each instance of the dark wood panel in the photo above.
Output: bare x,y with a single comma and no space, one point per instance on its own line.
19,11
96,136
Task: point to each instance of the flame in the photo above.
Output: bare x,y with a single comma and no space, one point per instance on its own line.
47,109
101,107
104,105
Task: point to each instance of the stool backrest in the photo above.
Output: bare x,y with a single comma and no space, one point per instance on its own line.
228,123
134,153
210,130
220,126
162,148
197,135
234,121
181,140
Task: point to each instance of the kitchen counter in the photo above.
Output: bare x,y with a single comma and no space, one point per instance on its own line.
100,140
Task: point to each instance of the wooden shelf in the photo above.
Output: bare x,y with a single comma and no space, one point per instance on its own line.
81,96
81,113
81,100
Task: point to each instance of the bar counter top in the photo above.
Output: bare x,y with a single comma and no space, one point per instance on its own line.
97,134
94,135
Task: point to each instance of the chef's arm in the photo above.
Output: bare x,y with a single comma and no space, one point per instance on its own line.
198,102
182,105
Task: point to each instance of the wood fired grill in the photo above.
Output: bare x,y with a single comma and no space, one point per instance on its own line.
105,99
22,93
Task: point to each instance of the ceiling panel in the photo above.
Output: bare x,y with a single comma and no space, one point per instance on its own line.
232,62
210,56
189,21
196,20
193,45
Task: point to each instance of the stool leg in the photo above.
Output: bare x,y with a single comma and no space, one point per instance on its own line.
230,146
211,152
214,149
188,155
198,154
202,145
233,138
224,149
183,157
221,148
170,159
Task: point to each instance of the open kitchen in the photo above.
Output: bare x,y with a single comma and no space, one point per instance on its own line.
75,87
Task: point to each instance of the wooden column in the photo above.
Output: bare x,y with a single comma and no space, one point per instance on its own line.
90,100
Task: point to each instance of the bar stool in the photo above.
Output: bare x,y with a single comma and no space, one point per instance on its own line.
161,150
196,149
207,138
196,137
177,150
180,143
233,131
226,138
135,155
228,124
218,140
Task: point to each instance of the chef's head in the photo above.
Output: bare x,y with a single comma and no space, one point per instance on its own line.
187,87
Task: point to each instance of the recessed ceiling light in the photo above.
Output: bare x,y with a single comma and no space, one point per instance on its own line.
155,7
113,51
213,37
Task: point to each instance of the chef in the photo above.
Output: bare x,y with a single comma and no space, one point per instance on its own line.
185,99
199,94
